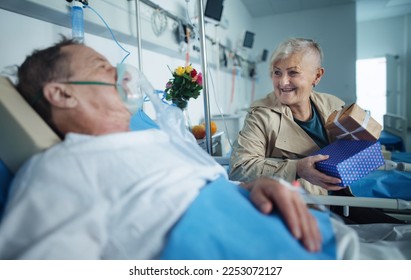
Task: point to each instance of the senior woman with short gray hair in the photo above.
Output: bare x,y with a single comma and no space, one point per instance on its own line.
284,128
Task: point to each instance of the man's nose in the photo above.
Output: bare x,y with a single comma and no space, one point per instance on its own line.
112,70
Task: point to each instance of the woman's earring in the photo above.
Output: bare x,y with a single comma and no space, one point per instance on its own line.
314,84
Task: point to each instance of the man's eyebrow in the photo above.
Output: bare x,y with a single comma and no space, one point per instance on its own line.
98,59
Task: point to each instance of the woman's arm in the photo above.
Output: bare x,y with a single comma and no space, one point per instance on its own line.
255,141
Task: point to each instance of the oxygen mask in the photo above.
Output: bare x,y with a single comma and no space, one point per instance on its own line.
129,87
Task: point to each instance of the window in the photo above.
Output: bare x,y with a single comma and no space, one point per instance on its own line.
372,86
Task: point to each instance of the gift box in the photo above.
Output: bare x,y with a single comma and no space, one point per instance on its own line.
353,122
350,160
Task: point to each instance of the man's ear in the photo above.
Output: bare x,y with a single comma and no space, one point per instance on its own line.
58,95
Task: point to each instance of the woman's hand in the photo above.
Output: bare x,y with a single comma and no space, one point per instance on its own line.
267,194
306,170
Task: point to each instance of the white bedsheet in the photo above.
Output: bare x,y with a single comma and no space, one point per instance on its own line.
373,241
383,241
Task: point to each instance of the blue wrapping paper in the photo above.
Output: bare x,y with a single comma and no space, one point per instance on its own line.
350,160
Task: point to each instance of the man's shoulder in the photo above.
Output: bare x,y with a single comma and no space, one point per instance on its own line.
42,160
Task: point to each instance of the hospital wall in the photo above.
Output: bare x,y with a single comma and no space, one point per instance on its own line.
335,30
36,24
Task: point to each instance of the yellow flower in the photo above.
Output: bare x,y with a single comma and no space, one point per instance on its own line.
189,68
179,70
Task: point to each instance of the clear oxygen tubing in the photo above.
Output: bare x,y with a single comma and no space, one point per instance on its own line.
171,121
138,28
111,32
209,144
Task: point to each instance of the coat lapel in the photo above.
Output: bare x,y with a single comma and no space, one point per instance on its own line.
289,130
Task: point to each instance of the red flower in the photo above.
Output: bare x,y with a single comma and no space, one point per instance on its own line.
193,73
200,79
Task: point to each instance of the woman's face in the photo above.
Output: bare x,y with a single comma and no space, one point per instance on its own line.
294,76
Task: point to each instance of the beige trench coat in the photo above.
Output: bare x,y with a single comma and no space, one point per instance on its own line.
270,142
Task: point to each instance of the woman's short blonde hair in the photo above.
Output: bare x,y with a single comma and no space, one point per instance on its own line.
296,45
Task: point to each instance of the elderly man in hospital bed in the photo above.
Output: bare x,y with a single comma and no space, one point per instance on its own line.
106,192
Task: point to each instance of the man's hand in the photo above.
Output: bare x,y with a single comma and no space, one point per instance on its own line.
306,170
267,194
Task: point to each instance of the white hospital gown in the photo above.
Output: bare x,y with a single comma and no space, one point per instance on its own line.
102,197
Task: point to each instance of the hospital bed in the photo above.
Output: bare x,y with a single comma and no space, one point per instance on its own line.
24,134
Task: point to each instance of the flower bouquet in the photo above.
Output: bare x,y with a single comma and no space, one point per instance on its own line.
186,83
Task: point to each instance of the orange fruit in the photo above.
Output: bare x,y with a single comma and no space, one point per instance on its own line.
213,127
199,131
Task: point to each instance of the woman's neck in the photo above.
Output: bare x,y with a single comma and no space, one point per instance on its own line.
302,112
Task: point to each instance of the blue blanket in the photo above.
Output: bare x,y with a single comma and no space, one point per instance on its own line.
384,184
5,179
223,224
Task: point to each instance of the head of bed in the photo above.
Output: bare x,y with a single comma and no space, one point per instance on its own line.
23,131
22,134
395,129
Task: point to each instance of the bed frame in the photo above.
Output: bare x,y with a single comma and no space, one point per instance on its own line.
396,126
397,208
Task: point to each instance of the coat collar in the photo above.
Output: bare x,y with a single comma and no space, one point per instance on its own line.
272,102
290,130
